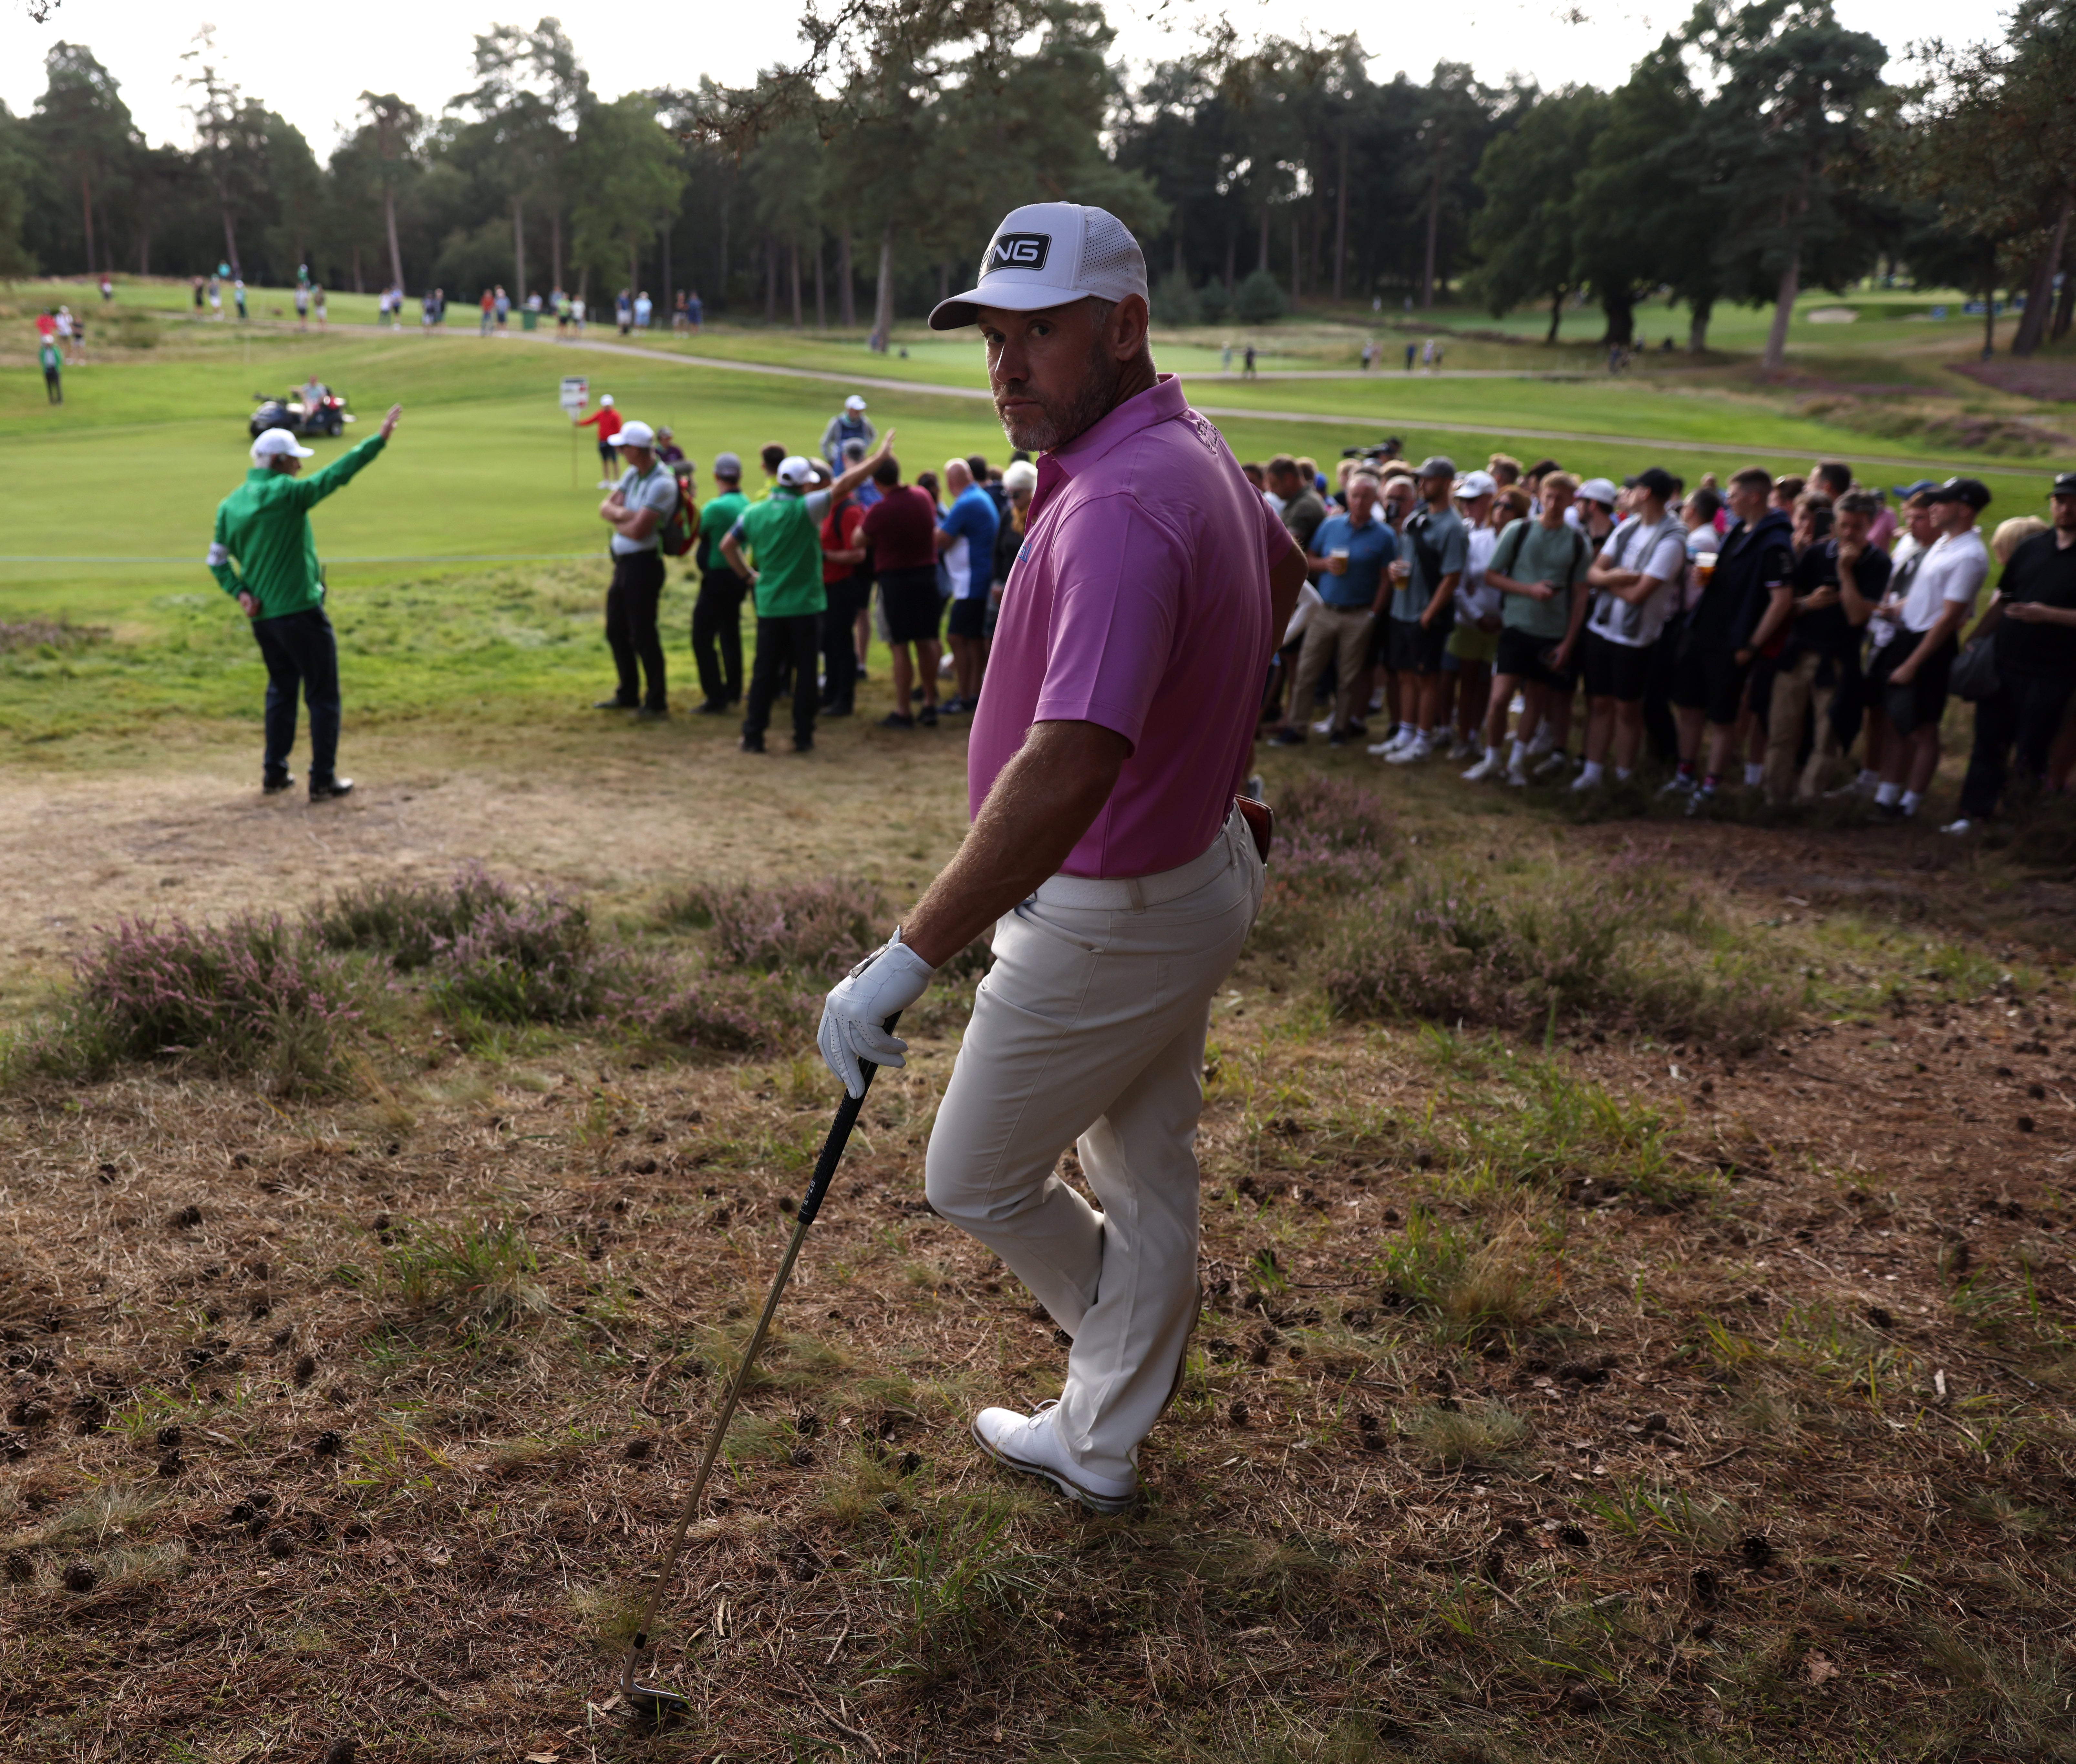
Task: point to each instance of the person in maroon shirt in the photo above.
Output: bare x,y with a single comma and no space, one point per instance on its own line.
902,530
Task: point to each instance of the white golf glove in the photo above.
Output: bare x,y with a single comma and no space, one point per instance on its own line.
854,1015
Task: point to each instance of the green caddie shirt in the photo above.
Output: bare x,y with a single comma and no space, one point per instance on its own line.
263,545
782,538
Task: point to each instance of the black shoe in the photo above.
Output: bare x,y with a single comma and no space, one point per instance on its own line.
915,695
804,744
928,716
713,706
652,713
1338,738
612,704
896,720
1889,812
1287,737
338,786
274,785
753,744
1357,726
843,708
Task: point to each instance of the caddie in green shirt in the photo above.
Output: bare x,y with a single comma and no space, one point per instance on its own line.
782,538
264,554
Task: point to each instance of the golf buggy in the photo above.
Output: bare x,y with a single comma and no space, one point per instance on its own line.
326,414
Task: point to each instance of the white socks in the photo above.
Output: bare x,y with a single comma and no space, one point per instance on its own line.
1590,775
1911,799
1754,776
1886,795
1869,779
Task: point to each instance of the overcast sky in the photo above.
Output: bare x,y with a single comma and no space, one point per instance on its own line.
310,62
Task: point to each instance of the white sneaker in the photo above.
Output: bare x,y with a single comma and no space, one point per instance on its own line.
1414,751
1677,785
1490,766
1390,743
1460,749
1584,781
1554,762
1029,1443
1324,727
1517,777
1963,825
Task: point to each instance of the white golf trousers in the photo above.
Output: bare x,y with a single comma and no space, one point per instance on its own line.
1089,1031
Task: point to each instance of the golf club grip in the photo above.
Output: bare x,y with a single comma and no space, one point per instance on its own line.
832,1147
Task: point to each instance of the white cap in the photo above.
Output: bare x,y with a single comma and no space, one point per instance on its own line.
1599,490
605,399
634,435
853,402
1477,484
795,471
1046,254
272,443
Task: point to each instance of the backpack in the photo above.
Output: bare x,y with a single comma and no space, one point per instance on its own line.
680,531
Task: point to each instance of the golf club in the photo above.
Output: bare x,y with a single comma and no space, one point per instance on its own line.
651,1702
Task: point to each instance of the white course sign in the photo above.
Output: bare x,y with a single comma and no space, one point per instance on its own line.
576,391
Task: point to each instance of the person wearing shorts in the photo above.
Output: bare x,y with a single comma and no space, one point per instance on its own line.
901,527
1636,579
1747,602
965,539
1539,566
1910,673
1432,552
1467,657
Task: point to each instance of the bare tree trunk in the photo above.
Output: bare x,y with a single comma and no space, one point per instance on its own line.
1697,327
1232,250
1261,257
882,297
389,220
1434,231
1341,222
821,294
846,293
555,246
86,215
358,286
1556,313
1990,301
793,264
518,252
664,297
2039,297
2064,309
943,283
1297,259
770,282
1784,307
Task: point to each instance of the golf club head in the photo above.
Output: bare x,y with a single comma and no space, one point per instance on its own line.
651,1706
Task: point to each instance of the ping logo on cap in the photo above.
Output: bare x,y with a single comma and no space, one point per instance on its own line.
1018,251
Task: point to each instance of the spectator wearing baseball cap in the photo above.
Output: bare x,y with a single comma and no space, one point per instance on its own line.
1434,547
606,419
1636,579
643,498
849,424
2032,621
263,555
1467,658
776,545
717,609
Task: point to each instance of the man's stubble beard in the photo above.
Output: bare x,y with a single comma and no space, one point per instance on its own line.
1056,425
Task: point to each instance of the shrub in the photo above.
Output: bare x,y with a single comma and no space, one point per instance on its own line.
247,995
818,928
528,960
719,1013
408,921
1175,301
1260,300
1332,836
1214,302
48,638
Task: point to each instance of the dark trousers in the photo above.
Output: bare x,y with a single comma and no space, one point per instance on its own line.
631,605
2024,711
53,388
783,644
840,642
717,626
302,656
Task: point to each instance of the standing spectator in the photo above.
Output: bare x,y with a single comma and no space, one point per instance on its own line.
622,311
1637,577
303,306
238,296
696,310
318,301
1020,482
847,586
501,309
717,611
966,541
849,424
1911,672
1506,470
1832,477
1921,534
2032,622
1539,566
1840,578
607,421
577,316
902,530
488,304
1435,547
1298,502
52,360
644,309
1746,603
667,449
776,545
678,321
199,296
643,498
771,456
1467,657
1353,551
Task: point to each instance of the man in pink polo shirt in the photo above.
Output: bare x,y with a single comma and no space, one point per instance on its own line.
1104,850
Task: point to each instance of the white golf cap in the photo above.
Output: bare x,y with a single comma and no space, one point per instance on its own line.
795,471
604,399
1046,254
1599,490
853,402
273,443
1477,484
635,434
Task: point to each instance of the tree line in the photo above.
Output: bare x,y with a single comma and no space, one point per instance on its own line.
1760,149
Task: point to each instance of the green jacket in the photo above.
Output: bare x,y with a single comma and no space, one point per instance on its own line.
263,545
784,541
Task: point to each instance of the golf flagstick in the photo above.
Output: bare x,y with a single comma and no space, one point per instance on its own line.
651,1699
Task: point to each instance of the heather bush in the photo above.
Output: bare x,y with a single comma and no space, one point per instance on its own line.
1331,838
529,959
818,928
1630,948
249,995
719,1013
409,922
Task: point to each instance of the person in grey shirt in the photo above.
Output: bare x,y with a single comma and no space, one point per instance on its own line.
644,498
1432,553
849,424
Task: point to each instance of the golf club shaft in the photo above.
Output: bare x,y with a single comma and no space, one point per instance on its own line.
818,1186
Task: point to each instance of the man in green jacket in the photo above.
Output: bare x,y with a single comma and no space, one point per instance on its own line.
264,554
783,535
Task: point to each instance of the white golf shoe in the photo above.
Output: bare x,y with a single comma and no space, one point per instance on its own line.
1028,1442
1411,753
1490,766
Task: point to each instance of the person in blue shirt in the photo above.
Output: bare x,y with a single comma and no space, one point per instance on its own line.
1350,554
965,543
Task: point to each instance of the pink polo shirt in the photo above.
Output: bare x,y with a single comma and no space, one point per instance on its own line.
1140,601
